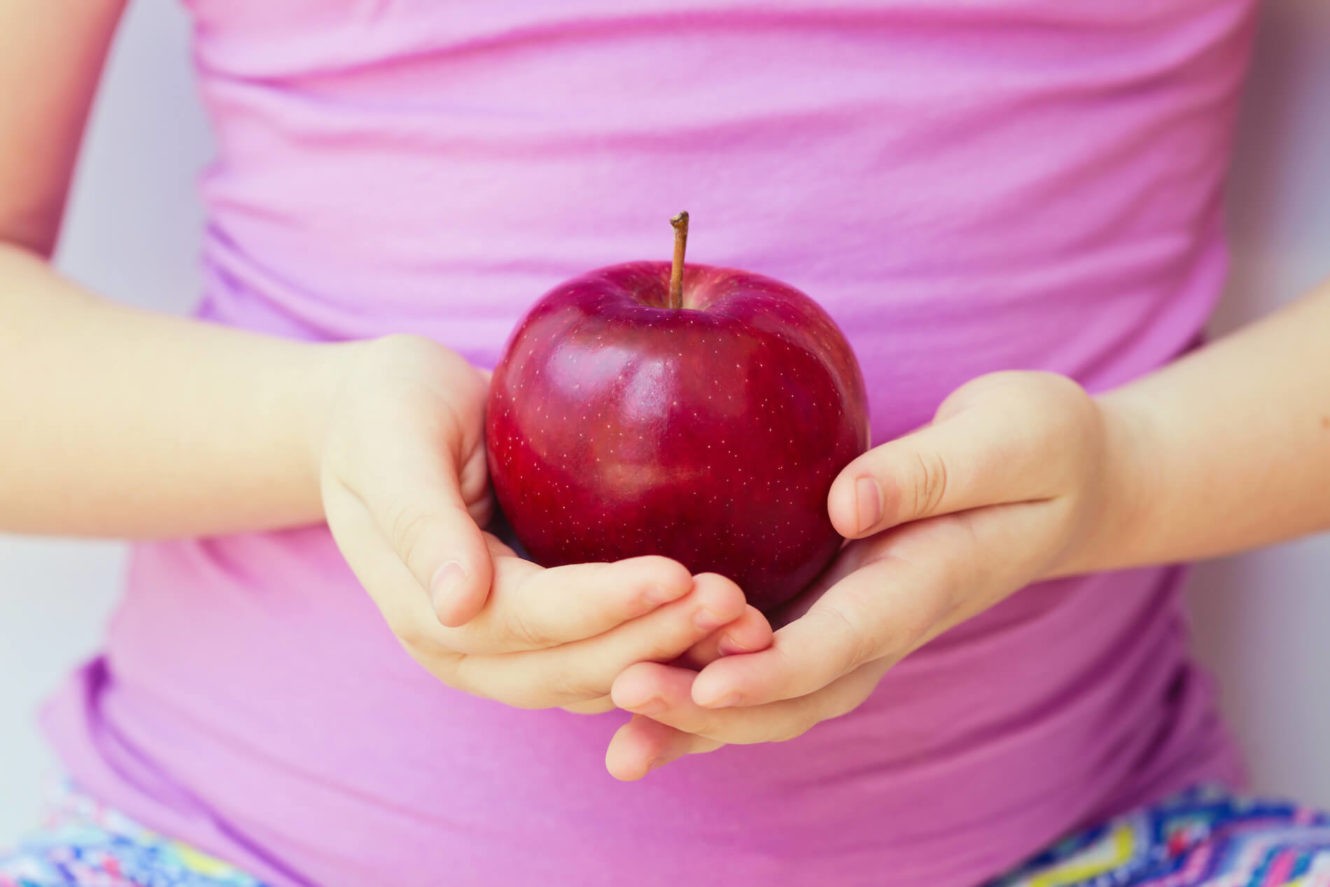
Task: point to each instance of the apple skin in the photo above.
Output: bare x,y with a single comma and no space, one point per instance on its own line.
618,426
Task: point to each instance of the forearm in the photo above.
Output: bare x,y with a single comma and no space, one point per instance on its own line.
1224,450
120,422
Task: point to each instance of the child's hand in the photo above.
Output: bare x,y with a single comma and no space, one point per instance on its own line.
998,492
405,494
560,636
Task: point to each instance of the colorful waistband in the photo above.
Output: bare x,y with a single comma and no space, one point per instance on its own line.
1205,836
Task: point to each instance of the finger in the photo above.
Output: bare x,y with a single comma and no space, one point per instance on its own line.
996,441
663,693
633,750
532,608
591,706
473,484
914,583
420,511
884,609
585,669
385,578
642,745
747,634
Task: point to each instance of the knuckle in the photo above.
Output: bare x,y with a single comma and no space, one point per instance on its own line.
1060,387
528,700
408,532
794,727
809,720
930,486
474,676
651,563
473,479
844,705
909,615
718,584
524,632
1083,425
1057,407
838,704
933,590
566,686
1058,400
853,644
979,389
473,639
966,571
663,568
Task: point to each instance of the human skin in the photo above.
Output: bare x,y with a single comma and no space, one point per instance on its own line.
1020,477
1228,448
124,423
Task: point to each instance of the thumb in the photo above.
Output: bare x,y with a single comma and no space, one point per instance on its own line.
429,528
993,445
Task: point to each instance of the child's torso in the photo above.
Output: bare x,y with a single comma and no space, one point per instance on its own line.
966,186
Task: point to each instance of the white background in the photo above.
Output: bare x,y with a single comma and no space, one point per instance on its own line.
1261,619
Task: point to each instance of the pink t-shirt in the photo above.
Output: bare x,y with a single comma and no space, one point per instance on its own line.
966,185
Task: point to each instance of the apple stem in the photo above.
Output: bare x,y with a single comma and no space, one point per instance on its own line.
680,225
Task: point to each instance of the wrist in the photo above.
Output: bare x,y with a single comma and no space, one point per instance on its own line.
325,372
1120,492
355,378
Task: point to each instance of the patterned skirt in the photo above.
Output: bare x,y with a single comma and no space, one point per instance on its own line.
1205,836
1202,836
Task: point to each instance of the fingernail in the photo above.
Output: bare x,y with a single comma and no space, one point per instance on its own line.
708,620
868,496
659,594
706,695
446,583
728,646
727,700
650,706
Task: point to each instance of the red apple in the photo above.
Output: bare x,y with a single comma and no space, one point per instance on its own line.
697,413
